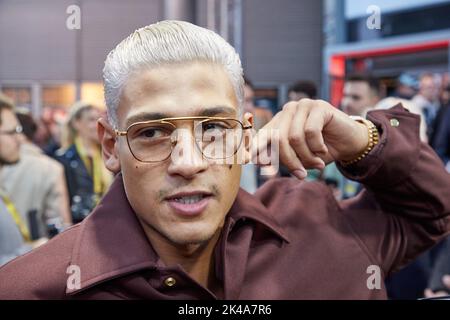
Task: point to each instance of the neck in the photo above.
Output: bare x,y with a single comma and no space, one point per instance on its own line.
196,259
88,145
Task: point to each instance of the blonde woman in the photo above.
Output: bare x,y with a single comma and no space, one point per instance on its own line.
86,176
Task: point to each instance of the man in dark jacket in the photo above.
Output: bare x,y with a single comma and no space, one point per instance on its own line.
175,225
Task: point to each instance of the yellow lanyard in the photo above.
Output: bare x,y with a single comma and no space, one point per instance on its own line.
16,217
94,168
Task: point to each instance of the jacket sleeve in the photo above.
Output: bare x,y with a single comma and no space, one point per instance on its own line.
404,206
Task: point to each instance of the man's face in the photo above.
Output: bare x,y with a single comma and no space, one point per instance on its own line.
429,89
358,98
9,141
184,201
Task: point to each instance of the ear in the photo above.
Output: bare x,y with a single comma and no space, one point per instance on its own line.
108,141
248,135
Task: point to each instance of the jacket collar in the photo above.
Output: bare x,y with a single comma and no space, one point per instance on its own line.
247,206
111,241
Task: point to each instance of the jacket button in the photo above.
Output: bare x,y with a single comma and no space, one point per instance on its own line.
395,122
170,281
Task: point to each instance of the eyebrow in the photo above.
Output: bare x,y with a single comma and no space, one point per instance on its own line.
205,112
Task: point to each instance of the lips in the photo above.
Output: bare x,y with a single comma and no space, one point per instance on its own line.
189,204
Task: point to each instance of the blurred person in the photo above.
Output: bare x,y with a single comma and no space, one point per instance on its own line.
361,93
406,87
427,99
387,103
86,176
37,184
176,225
441,137
51,137
445,96
439,281
261,116
14,232
302,89
42,136
251,178
50,130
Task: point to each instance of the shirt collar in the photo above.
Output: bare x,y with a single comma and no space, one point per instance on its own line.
111,241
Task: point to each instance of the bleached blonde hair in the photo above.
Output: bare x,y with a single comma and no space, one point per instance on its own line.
167,42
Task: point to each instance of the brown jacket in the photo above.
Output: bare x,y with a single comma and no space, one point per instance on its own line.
291,240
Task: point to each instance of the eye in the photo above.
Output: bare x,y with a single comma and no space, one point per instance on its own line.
215,125
153,133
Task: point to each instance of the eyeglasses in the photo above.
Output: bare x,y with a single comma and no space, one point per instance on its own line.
18,129
153,141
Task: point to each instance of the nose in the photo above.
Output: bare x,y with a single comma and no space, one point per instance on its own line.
186,159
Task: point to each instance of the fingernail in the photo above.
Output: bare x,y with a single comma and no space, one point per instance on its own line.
320,166
300,173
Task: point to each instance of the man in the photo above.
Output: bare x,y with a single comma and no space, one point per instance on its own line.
13,230
406,87
251,176
427,99
440,139
361,94
36,184
260,115
174,224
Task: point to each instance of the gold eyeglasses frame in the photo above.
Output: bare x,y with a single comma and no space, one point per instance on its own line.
169,121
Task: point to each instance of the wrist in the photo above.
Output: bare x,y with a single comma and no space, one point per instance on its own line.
367,138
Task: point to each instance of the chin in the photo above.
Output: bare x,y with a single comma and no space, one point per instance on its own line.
192,236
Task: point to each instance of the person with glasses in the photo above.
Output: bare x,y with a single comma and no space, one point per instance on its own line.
36,184
175,224
14,231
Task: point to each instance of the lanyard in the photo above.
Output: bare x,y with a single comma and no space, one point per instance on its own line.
16,217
